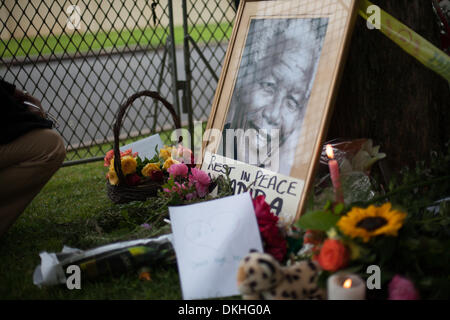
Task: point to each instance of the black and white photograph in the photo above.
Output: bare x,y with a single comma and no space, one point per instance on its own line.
272,89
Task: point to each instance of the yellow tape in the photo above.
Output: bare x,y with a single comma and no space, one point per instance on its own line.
137,250
426,53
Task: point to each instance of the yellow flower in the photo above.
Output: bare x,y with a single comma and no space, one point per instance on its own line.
166,153
129,165
111,165
371,222
169,162
113,178
149,167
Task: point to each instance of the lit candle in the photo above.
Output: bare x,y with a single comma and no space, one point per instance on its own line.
334,173
346,287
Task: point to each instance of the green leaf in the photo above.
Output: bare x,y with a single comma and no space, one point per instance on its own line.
175,200
338,208
124,214
155,157
317,220
327,205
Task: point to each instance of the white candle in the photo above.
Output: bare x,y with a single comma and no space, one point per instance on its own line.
343,286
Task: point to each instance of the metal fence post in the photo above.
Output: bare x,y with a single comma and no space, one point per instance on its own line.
173,60
187,99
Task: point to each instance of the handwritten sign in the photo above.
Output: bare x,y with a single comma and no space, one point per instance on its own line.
282,192
145,147
210,239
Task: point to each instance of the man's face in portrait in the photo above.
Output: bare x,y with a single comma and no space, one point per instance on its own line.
278,97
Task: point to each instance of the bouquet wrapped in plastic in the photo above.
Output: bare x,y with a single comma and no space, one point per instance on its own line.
355,159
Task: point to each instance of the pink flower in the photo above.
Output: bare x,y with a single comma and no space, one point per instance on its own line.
185,155
201,190
191,196
179,187
201,180
200,176
401,288
146,226
178,170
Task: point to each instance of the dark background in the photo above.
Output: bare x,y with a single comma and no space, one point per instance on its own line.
388,96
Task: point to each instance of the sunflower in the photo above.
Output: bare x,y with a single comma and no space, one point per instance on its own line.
371,222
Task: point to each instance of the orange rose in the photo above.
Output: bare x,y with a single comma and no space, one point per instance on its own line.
333,255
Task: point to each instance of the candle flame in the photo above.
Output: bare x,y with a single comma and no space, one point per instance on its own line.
347,283
329,151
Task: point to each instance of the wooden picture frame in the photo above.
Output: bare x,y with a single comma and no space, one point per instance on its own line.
260,25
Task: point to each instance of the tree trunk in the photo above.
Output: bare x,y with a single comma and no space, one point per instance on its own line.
388,96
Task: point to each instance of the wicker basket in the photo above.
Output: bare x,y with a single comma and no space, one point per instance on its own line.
122,192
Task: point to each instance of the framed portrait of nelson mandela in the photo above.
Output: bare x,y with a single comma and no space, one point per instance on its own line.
278,83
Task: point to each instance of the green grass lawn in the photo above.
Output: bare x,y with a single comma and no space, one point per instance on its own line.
64,213
90,41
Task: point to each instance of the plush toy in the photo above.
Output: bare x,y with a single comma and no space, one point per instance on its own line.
260,276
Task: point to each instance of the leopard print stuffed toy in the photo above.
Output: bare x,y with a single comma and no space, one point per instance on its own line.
260,276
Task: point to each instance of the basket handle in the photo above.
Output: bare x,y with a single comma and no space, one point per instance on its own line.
118,124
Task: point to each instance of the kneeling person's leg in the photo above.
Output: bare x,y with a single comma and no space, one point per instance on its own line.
26,164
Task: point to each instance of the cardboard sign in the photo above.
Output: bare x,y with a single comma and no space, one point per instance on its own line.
210,239
282,192
145,147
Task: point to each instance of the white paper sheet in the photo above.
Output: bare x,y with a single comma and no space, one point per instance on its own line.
145,147
210,239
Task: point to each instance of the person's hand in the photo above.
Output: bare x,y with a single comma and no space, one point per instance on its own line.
33,104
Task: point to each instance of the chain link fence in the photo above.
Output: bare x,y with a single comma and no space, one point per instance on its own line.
83,60
206,57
